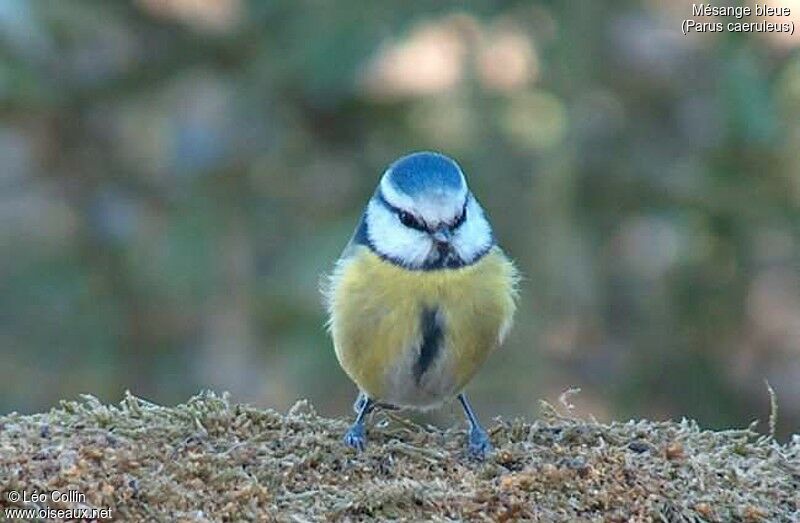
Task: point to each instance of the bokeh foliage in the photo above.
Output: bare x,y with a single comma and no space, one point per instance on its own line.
176,176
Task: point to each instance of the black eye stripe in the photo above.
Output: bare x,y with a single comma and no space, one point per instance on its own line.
406,218
409,220
412,222
386,203
461,218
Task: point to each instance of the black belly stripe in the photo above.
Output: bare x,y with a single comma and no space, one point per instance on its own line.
432,334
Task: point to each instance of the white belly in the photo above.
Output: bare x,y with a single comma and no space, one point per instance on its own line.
404,388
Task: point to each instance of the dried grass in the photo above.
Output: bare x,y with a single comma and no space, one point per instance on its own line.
210,460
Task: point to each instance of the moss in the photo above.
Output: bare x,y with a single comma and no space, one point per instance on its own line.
212,460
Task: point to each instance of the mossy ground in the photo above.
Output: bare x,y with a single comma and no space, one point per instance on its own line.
210,460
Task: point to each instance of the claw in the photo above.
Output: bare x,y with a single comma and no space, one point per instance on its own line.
355,437
479,445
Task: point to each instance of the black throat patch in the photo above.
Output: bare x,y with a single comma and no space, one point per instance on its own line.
432,338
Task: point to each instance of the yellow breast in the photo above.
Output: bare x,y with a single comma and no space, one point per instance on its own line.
375,310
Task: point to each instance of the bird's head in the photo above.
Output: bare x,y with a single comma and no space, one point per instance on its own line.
423,215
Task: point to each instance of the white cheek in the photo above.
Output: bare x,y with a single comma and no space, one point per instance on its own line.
392,239
475,235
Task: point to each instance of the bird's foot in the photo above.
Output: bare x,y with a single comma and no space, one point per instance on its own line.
479,445
355,437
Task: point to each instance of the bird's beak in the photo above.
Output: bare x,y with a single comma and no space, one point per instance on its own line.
442,236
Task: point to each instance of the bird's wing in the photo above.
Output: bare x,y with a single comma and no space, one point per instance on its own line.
359,237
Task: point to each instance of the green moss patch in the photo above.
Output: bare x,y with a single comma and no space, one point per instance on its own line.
211,460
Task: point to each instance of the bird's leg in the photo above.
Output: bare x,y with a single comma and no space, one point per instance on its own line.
359,403
355,436
363,397
479,444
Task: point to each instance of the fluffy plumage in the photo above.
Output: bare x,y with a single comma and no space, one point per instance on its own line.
376,320
422,294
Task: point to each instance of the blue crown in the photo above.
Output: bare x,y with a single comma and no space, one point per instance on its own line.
421,172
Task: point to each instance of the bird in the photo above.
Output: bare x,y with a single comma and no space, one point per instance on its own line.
420,296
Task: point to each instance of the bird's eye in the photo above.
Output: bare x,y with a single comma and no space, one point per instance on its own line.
408,220
461,219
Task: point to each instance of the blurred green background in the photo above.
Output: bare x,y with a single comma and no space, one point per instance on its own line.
178,174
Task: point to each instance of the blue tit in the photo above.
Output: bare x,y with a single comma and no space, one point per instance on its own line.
421,295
